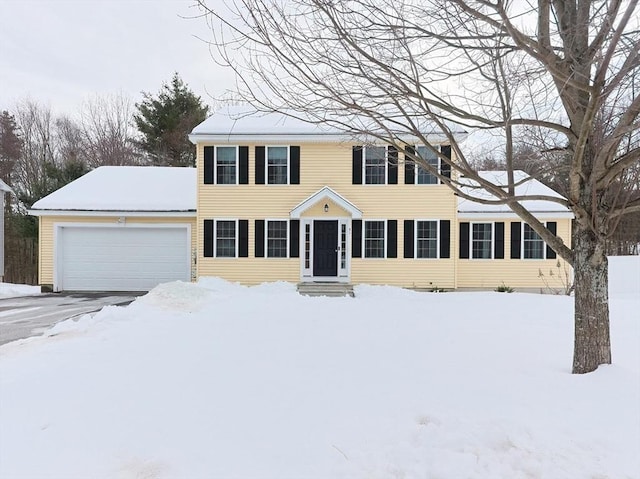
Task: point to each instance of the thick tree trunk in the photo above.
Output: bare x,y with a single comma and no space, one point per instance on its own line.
592,346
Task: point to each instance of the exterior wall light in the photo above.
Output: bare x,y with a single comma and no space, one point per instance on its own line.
326,208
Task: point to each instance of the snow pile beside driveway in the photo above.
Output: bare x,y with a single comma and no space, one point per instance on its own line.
216,380
10,290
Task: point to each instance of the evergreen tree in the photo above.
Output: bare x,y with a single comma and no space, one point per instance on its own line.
10,145
165,120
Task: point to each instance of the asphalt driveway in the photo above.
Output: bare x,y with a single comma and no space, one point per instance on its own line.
32,315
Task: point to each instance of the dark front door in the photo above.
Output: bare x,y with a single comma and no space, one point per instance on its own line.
325,248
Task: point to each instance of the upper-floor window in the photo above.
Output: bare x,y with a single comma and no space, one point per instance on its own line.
226,165
375,165
277,165
481,240
226,160
423,176
414,173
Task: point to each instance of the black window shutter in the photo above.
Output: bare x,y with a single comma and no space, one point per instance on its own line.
259,165
553,227
243,163
208,238
356,239
409,167
294,163
445,238
392,238
516,228
243,238
259,246
392,165
408,238
294,238
464,240
357,165
445,168
208,165
498,244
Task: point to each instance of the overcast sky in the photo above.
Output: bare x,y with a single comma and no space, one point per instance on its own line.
62,52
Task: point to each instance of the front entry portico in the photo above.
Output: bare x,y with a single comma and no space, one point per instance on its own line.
325,236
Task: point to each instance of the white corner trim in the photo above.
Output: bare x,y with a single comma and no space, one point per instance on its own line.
323,194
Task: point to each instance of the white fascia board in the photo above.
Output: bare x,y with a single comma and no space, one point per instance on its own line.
154,214
305,137
490,215
266,138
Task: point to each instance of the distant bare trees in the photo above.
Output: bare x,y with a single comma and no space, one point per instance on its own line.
41,152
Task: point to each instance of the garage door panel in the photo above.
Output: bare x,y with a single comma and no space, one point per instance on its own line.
122,259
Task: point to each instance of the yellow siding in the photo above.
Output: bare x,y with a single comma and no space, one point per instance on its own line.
324,164
407,273
516,273
47,227
330,164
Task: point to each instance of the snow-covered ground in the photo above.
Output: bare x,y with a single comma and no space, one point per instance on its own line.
9,290
215,380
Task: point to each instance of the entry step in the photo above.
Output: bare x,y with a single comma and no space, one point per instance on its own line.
320,288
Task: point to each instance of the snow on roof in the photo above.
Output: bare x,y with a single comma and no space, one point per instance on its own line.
126,188
529,187
243,121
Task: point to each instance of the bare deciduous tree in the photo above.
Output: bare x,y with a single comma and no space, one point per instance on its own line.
564,69
108,132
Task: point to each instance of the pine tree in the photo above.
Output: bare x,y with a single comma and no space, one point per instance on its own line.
10,145
165,120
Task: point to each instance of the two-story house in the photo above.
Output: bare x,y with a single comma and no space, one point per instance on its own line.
280,199
272,198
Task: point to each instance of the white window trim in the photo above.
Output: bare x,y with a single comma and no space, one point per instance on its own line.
493,239
266,164
544,245
415,239
364,238
266,237
386,166
215,237
215,165
417,169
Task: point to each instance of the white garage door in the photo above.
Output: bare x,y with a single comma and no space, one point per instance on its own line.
121,258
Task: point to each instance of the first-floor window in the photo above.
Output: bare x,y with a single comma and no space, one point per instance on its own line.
481,235
426,239
277,239
225,239
532,244
374,239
